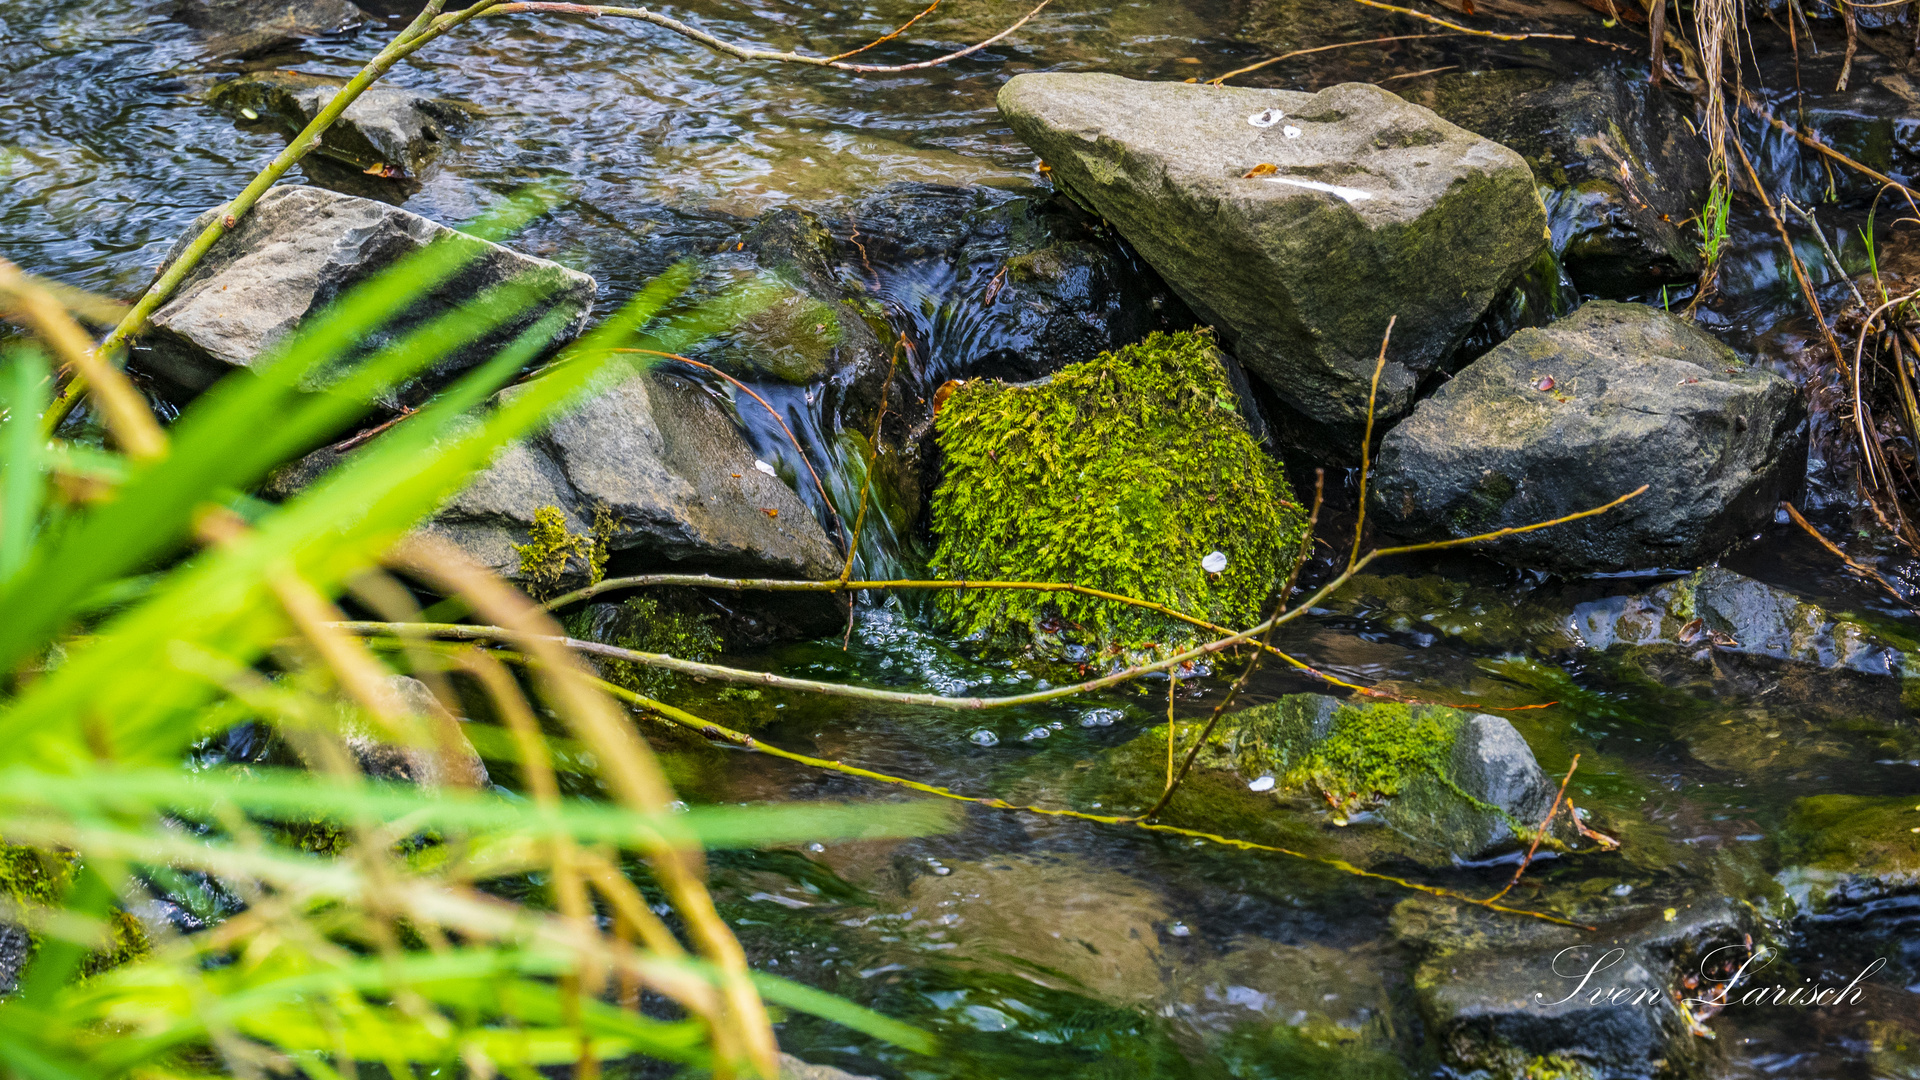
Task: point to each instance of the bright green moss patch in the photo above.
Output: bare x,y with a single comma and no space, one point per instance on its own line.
39,879
642,625
1353,756
551,550
1856,834
1122,473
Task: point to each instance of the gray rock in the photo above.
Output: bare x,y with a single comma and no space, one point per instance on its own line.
16,947
1719,609
1497,992
792,1068
388,130
659,464
300,249
1619,168
1491,782
421,760
1299,280
1635,397
240,27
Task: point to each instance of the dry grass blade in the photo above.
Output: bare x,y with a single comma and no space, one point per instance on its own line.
125,412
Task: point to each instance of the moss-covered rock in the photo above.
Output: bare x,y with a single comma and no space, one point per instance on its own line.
1849,849
1124,473
1446,781
36,878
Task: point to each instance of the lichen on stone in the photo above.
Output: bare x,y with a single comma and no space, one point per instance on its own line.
1122,474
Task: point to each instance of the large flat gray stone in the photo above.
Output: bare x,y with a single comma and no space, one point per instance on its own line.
1374,208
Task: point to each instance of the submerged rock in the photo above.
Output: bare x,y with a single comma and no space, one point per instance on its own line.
1297,224
1852,859
653,476
388,131
1720,610
1498,992
240,27
426,763
1570,417
302,248
1620,169
1125,473
1447,781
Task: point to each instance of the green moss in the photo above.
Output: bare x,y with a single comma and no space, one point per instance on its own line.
1354,757
549,554
39,878
790,339
640,624
1121,473
1856,834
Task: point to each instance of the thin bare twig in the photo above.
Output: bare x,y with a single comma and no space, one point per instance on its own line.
1218,79
1366,443
1859,569
904,27
1540,833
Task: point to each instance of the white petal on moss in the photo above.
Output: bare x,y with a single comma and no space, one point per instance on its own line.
1264,783
1214,563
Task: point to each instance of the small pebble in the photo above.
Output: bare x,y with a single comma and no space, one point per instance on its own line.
983,737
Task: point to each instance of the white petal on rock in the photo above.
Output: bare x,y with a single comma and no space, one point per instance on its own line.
1214,563
1290,131
1352,195
764,467
1264,783
1266,118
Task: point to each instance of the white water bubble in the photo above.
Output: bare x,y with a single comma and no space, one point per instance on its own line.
1214,562
983,737
1037,733
1266,118
1101,718
816,847
1264,783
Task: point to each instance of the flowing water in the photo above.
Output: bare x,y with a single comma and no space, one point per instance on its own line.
1042,947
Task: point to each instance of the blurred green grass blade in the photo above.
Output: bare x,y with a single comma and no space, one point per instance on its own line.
299,794
58,959
23,479
231,438
806,999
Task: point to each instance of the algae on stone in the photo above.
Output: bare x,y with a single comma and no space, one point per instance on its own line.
1123,474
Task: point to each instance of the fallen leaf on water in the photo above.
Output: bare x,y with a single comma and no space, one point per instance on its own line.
383,170
1265,168
1691,632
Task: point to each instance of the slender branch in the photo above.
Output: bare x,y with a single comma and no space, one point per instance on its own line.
904,27
1366,443
716,732
430,24
1218,79
1860,570
1540,833
742,52
1457,28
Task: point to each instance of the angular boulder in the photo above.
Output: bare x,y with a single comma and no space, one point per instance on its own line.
1298,224
388,130
1619,168
302,248
1569,417
1498,993
656,471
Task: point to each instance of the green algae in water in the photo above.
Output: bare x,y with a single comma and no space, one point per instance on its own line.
1122,474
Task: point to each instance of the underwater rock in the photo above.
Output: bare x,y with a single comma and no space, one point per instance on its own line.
1497,992
1570,417
1619,167
1372,208
1452,783
1852,856
16,946
792,1068
242,27
1727,612
297,252
655,474
388,130
1123,473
